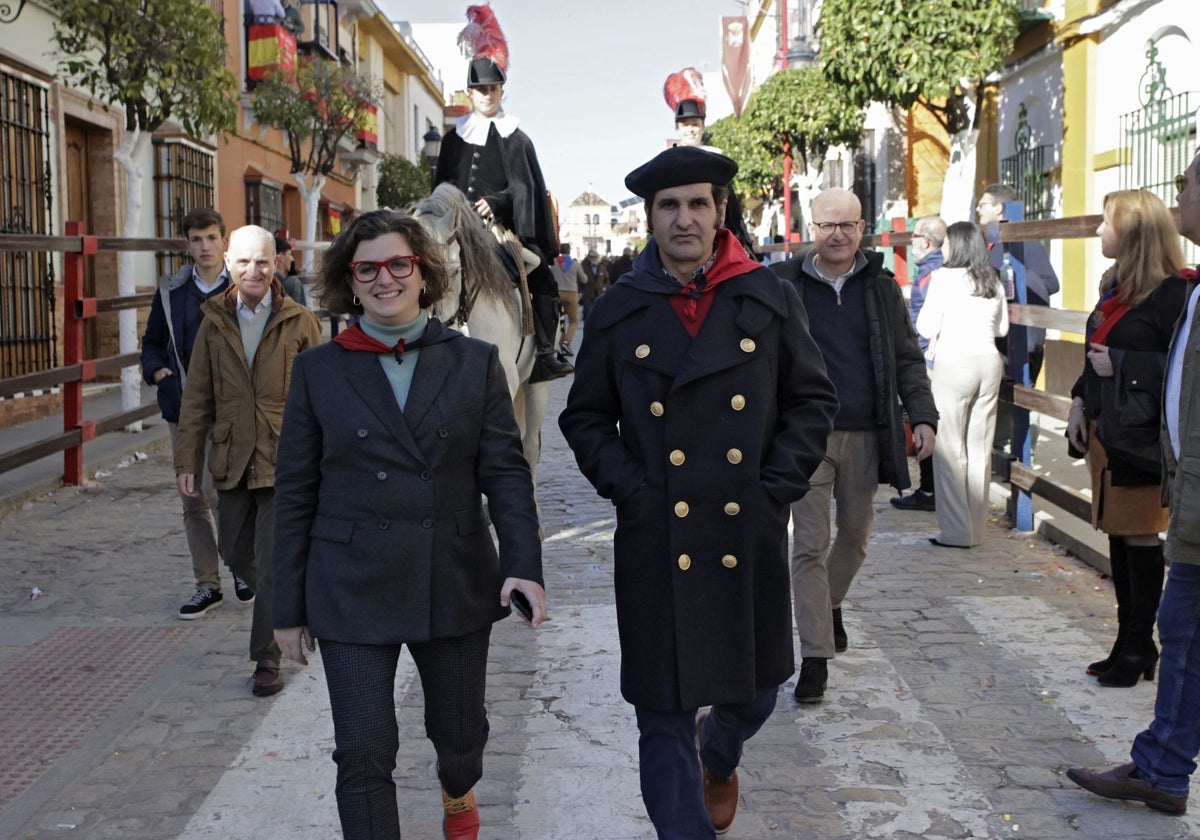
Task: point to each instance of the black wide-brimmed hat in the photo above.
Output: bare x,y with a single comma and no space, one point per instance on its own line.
483,42
680,165
484,71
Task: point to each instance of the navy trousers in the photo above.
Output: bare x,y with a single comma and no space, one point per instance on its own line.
672,786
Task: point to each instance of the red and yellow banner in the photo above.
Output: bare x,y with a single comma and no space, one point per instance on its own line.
369,133
270,47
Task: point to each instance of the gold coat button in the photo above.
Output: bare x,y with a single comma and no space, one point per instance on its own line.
681,509
728,561
732,508
685,562
642,351
677,457
738,402
656,408
747,345
734,456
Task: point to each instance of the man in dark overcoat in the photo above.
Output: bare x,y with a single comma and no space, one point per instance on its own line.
700,408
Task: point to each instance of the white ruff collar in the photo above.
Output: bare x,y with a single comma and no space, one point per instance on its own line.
473,128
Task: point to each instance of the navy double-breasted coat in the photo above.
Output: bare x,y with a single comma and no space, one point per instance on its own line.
381,535
701,444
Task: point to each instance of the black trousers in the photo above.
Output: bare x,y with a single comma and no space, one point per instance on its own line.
361,680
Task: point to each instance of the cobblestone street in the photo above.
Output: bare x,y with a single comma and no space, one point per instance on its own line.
954,713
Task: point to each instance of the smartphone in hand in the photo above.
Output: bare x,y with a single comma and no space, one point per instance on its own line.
518,601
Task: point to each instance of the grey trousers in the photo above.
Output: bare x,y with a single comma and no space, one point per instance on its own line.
198,525
821,573
965,390
246,536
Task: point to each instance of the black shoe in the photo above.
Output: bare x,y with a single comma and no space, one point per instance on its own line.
202,600
814,674
1130,667
1123,782
917,500
242,590
840,642
549,366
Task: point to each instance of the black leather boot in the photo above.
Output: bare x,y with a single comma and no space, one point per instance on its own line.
549,364
1118,561
1139,654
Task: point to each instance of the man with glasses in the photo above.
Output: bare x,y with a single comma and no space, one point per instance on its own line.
928,235
858,319
1163,757
237,384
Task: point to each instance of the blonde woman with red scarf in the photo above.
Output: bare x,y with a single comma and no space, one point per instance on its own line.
1115,416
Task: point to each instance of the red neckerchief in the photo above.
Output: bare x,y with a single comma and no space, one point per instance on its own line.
1110,310
353,338
694,300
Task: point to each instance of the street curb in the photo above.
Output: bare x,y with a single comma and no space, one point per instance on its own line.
152,440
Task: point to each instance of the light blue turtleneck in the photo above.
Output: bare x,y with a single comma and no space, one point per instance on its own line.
399,375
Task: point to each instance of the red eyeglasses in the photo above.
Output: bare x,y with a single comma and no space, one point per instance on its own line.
366,271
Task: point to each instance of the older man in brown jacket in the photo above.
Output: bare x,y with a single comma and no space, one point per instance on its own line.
237,384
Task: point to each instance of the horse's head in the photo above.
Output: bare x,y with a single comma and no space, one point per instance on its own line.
442,214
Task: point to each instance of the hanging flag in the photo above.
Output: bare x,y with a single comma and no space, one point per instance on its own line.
271,47
735,60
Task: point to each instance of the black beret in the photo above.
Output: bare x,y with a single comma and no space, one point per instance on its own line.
680,165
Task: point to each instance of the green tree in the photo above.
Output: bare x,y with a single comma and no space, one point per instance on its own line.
801,111
759,173
401,182
928,53
317,107
156,61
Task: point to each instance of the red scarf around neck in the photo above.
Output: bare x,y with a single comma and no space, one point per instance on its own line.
353,338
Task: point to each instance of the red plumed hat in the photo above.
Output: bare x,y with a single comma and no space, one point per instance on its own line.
482,41
684,92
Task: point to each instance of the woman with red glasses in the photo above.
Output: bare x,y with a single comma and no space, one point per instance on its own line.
392,437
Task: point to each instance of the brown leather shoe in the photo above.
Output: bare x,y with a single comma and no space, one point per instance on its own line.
720,795
1123,782
267,680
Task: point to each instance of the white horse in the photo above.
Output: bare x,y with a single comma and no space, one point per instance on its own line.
482,298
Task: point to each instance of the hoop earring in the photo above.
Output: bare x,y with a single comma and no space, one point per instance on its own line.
356,300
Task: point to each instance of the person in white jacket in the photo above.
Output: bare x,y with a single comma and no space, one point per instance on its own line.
964,311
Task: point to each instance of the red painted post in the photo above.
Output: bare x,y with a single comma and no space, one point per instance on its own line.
900,255
787,199
73,349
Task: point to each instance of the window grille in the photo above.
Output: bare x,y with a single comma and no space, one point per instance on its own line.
184,177
264,205
28,335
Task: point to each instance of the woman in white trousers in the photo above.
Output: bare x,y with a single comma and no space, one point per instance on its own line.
964,311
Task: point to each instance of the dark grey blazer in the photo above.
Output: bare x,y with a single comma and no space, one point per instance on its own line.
380,530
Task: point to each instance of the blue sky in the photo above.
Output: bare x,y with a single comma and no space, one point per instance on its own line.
586,76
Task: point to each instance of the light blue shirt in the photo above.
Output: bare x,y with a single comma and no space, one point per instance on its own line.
1175,373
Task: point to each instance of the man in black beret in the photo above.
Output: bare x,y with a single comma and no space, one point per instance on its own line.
700,407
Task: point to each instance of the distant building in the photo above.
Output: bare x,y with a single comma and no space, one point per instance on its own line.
587,223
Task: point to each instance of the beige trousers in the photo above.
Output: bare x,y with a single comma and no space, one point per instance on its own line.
965,390
198,524
822,574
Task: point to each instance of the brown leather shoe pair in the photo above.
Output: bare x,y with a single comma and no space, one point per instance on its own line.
267,680
1123,782
720,795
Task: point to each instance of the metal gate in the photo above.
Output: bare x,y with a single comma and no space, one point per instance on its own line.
28,338
1160,137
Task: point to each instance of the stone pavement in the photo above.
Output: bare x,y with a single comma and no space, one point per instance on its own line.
956,710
